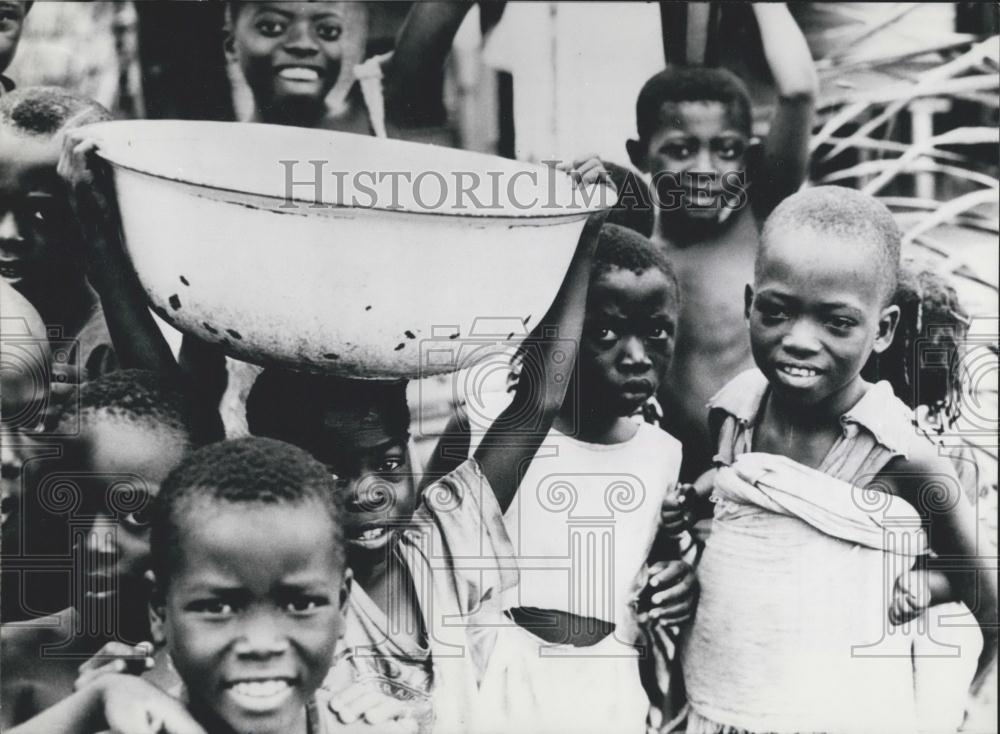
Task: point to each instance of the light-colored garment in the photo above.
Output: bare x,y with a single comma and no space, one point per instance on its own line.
453,550
792,631
581,524
583,520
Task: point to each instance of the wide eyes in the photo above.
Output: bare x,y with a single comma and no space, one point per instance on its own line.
273,27
724,148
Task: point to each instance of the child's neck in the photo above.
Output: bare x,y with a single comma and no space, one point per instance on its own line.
348,116
592,425
805,433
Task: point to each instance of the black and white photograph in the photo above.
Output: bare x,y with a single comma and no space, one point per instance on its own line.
499,367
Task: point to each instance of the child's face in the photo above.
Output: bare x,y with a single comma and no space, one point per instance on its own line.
292,51
35,218
374,471
124,465
11,21
628,338
695,158
252,611
816,313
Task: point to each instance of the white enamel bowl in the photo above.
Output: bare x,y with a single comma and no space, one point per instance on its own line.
370,274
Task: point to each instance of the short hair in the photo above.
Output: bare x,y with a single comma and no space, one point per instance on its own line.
624,248
235,474
47,111
137,397
291,406
691,84
845,214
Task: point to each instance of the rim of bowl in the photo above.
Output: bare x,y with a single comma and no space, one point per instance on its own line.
113,157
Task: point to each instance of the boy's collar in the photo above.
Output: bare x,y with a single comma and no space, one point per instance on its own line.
878,411
6,84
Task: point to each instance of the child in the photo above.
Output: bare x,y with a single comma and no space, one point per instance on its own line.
24,393
292,54
597,465
250,585
926,366
12,14
126,431
822,491
40,250
407,588
360,430
712,190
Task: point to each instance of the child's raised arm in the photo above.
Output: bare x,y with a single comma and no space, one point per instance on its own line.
510,443
929,483
422,45
137,340
786,150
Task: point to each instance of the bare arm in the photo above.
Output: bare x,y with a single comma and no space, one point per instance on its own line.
452,448
930,485
786,150
137,339
422,45
511,442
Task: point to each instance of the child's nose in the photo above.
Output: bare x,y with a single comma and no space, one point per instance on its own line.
262,637
801,338
8,227
99,541
634,352
301,41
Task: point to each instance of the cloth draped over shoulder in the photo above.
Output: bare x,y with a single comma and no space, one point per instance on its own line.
792,630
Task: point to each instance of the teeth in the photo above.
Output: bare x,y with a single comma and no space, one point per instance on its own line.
260,688
799,371
299,73
372,533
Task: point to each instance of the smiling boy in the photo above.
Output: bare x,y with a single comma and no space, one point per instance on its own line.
713,188
822,496
294,54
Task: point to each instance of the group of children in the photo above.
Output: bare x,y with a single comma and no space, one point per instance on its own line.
542,573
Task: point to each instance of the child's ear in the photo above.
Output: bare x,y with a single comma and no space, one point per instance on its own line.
637,154
887,323
157,617
747,301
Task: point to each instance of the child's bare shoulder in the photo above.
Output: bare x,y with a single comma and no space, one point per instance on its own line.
923,476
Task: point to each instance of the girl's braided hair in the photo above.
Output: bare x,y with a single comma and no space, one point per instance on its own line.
923,364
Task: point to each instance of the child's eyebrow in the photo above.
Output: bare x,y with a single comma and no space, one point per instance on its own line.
272,8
